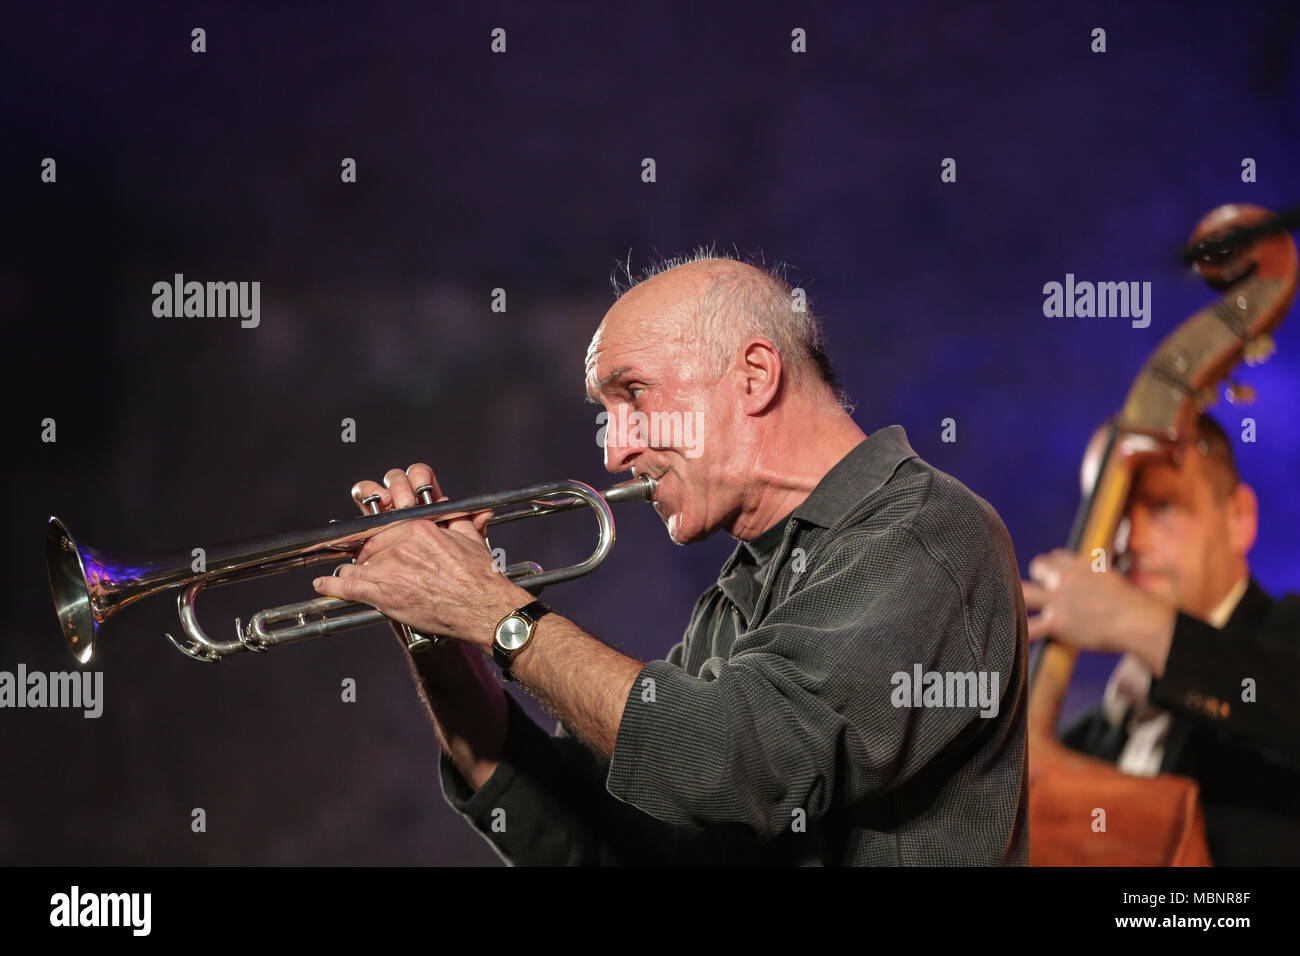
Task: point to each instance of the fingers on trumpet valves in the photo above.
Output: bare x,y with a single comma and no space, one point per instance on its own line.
366,492
400,489
421,477
414,486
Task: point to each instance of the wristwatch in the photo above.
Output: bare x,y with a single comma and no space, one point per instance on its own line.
514,632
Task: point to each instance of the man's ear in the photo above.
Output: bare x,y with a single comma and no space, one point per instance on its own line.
760,364
1243,519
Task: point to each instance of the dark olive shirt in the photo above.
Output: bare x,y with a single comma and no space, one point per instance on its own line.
782,727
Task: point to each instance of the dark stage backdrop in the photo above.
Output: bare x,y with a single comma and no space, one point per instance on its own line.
522,171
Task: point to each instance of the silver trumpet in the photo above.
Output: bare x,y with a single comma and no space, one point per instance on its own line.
89,585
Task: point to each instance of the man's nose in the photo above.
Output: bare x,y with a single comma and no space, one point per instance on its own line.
624,441
1139,529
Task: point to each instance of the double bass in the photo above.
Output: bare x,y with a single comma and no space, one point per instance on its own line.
1245,253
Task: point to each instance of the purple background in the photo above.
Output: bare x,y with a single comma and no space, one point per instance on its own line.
523,171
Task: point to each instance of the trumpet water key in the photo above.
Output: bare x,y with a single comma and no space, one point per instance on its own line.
89,585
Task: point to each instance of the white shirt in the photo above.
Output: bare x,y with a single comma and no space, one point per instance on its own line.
1129,685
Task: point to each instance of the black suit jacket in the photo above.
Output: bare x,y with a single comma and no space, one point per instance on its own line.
1245,755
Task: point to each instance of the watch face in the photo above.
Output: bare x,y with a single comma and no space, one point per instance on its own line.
512,633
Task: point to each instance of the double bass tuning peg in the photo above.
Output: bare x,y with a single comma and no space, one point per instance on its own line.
1258,349
1239,394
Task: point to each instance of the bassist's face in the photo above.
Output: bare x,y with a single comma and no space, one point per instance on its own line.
1188,535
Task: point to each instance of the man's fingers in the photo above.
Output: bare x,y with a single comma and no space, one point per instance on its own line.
365,489
1045,570
465,525
420,475
351,587
1035,595
1038,628
473,527
378,542
400,487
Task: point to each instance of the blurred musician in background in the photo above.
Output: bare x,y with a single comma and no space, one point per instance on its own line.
1209,683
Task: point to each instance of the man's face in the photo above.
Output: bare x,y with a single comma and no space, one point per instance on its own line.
1180,539
646,369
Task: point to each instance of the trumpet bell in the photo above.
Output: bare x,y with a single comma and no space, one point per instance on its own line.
70,590
88,585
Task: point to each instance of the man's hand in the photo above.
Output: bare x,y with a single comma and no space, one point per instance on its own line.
1096,610
438,580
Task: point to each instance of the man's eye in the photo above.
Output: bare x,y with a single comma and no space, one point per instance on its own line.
635,391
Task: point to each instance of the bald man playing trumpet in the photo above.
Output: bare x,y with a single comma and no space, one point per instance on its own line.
778,729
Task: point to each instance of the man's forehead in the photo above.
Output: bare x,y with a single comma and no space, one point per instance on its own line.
630,339
604,363
593,350
613,355
644,325
1184,470
602,350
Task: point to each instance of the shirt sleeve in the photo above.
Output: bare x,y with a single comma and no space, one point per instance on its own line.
546,803
806,712
1206,679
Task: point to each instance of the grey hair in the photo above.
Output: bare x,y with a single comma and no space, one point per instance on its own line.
743,302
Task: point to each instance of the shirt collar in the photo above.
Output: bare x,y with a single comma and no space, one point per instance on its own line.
767,541
856,476
1219,616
